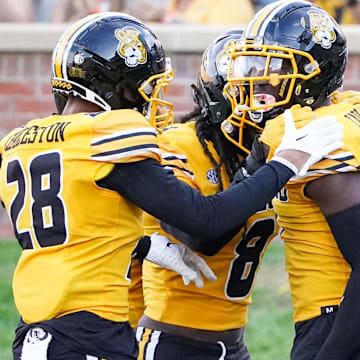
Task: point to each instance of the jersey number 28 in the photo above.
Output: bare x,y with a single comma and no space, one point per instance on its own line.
46,207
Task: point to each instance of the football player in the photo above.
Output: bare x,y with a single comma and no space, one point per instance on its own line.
74,185
206,322
295,53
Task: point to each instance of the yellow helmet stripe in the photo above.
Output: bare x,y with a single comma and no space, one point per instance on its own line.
59,50
256,22
281,5
258,25
64,44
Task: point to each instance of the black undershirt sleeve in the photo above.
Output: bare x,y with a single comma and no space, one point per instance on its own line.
200,244
161,194
343,339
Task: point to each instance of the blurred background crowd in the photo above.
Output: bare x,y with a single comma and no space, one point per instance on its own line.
164,11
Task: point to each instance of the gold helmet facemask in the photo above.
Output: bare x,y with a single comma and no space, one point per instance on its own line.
159,112
260,83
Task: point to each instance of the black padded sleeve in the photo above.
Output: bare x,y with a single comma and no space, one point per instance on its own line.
253,162
205,246
161,194
250,165
342,340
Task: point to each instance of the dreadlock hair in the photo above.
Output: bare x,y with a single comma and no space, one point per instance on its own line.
206,131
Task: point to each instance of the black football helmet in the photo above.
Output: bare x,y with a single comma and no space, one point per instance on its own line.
114,61
216,107
208,93
292,52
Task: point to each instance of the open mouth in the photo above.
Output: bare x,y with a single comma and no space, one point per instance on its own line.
261,100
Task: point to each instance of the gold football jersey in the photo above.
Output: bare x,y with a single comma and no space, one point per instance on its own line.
136,297
77,238
317,271
219,305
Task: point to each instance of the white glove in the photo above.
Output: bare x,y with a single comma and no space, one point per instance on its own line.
180,259
319,138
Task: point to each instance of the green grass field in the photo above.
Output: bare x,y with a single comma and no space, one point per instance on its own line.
268,334
9,253
270,328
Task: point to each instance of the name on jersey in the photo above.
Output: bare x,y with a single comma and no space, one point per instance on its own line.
353,116
39,134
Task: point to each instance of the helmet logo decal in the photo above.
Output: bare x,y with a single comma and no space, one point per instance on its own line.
322,28
79,59
131,48
223,57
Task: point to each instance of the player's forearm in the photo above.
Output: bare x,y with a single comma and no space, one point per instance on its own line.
160,194
342,342
204,246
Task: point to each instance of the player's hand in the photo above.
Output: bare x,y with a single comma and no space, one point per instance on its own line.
274,128
317,139
180,259
254,161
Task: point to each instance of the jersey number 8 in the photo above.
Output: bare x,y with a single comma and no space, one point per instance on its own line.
248,256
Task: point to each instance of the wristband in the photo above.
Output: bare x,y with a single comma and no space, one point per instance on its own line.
286,163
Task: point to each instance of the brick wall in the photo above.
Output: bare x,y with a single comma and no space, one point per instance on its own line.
25,86
25,91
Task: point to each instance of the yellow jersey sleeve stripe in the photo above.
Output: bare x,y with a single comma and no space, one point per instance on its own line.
188,173
130,151
339,162
123,135
125,144
176,163
170,157
341,156
331,170
337,167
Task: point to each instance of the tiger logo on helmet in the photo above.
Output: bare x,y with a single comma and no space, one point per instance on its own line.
292,52
131,48
223,58
321,28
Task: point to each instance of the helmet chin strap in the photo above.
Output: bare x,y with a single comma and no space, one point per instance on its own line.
256,116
